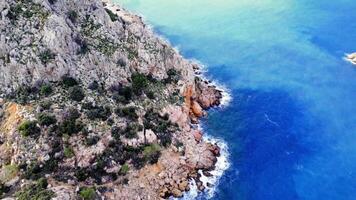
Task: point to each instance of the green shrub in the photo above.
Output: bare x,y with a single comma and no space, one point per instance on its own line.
68,152
81,174
72,114
37,191
8,172
69,81
116,132
45,105
132,129
3,189
46,56
152,153
76,93
72,16
124,169
173,76
15,12
23,94
46,119
150,94
46,89
112,15
128,112
100,112
87,193
70,126
90,141
29,128
139,83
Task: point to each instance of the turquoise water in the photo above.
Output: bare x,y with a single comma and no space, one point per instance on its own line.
291,127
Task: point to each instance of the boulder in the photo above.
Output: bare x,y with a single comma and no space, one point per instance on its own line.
198,135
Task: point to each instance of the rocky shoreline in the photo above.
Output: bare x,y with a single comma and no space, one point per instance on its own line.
105,47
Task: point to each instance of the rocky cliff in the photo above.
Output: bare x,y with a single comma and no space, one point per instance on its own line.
94,105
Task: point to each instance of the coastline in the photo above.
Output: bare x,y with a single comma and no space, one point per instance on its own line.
164,155
205,181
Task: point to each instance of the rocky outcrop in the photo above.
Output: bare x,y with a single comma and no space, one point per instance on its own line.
351,57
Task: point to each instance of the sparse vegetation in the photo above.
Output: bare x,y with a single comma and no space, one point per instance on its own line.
46,89
68,81
139,83
152,153
87,193
72,16
112,15
46,56
124,169
128,112
76,93
29,128
68,152
8,172
132,129
70,126
45,119
37,191
98,112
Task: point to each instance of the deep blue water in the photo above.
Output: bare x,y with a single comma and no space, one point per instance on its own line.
291,127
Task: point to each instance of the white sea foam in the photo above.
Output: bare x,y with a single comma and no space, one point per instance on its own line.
221,166
210,183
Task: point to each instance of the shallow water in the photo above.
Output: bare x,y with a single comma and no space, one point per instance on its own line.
291,127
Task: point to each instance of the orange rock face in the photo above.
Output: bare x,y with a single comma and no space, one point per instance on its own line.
197,109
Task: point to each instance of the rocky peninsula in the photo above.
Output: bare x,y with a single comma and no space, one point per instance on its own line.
351,57
94,105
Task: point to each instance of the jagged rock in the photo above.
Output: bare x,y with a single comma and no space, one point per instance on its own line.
177,193
197,135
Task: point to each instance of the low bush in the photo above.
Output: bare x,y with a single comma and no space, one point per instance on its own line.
132,129
112,15
124,169
8,172
87,193
37,191
72,16
46,89
99,112
46,119
46,105
81,174
70,126
3,189
128,112
68,152
173,76
116,132
152,153
46,56
76,93
68,81
93,140
139,83
29,128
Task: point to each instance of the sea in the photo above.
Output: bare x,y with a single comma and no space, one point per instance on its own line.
289,129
